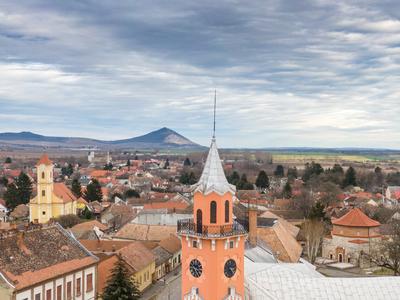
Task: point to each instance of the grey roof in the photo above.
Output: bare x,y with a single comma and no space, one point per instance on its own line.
213,177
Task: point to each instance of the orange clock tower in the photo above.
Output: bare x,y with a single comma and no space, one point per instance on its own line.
212,242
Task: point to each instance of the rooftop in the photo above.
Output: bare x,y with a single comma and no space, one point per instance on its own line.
44,160
37,254
356,218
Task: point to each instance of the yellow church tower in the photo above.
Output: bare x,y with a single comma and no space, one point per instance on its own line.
212,242
52,199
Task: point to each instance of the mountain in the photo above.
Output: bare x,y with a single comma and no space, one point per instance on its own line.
159,139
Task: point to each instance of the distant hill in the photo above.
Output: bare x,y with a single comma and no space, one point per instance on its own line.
159,139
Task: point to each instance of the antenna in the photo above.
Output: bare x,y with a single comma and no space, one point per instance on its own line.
215,110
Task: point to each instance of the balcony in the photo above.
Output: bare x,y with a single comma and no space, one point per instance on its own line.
189,227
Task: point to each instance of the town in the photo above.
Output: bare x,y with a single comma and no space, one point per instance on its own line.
70,223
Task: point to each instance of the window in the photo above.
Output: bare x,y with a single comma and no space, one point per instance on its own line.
43,193
48,294
69,290
37,296
330,256
43,213
59,294
231,244
226,211
42,175
194,244
348,259
78,286
89,282
179,258
213,212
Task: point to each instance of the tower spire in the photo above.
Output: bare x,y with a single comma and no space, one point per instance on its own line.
215,110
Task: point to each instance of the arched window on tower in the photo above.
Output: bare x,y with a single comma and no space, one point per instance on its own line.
42,175
226,211
213,212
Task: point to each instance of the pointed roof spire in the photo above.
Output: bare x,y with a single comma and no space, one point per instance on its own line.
213,177
215,110
44,160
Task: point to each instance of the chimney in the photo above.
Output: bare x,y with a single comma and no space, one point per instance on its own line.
253,226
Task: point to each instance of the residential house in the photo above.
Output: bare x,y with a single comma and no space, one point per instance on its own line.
90,230
45,263
393,192
117,215
3,211
162,258
141,263
172,244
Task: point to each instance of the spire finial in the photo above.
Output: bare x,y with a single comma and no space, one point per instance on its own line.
215,110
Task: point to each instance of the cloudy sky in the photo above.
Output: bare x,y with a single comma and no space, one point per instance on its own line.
288,73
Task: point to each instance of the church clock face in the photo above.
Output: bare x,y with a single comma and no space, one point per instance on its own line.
230,268
196,268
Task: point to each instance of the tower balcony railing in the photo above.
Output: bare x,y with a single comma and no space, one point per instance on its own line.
189,227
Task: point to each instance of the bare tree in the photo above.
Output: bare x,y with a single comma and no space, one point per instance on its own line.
314,232
387,253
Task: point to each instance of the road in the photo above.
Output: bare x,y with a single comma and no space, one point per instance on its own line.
170,289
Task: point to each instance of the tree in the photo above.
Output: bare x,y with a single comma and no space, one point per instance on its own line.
314,231
8,160
68,221
76,188
68,170
287,191
128,163
119,285
279,171
292,174
4,181
313,169
349,178
87,214
93,191
11,196
386,254
329,193
303,202
23,185
243,184
317,212
166,165
234,178
131,194
108,167
187,162
188,178
262,180
393,178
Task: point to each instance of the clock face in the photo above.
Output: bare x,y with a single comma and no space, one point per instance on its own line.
230,268
196,268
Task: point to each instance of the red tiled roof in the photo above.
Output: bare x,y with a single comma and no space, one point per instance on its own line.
356,218
44,160
63,192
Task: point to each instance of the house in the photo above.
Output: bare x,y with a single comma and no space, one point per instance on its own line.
140,262
3,211
172,244
117,215
351,235
90,230
162,258
45,263
393,192
52,199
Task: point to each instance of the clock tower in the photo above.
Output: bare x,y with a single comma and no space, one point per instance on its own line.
212,241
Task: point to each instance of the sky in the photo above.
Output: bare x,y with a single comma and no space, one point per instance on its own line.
316,73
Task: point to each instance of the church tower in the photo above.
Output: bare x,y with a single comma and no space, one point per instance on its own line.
44,172
212,242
